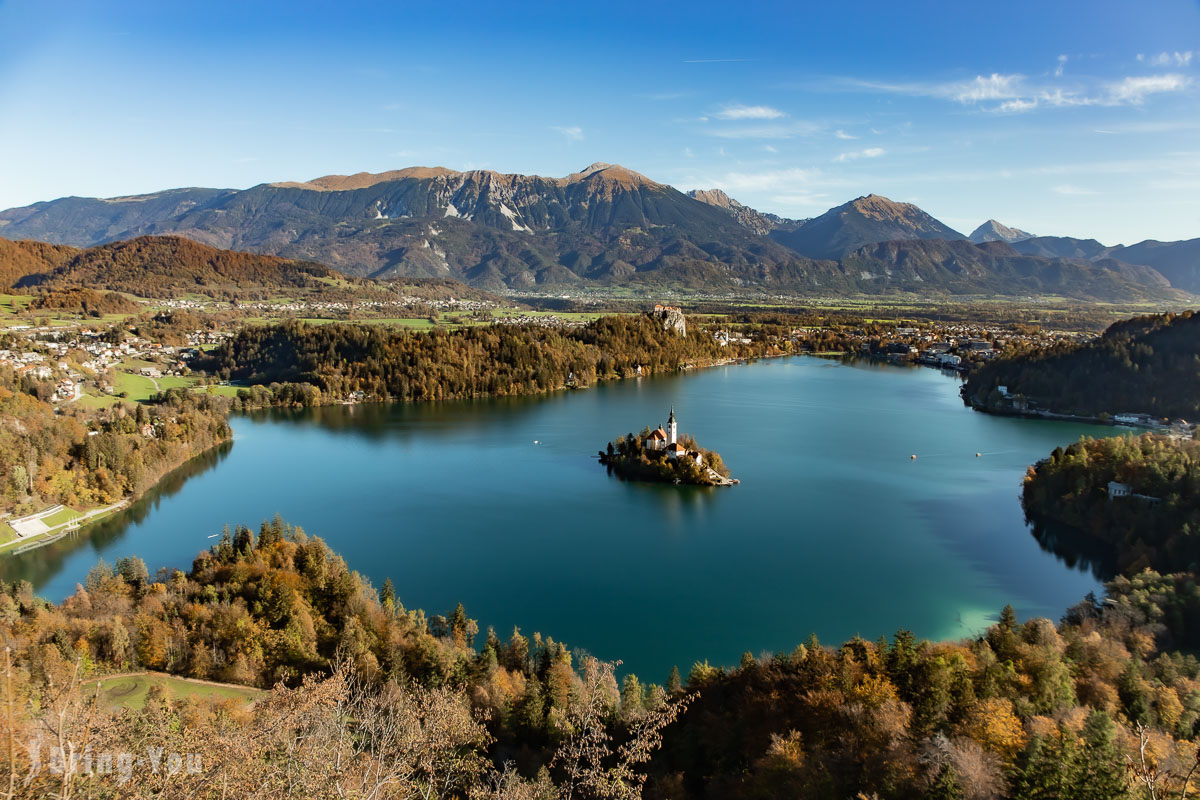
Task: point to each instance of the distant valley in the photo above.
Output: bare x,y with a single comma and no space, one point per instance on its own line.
607,226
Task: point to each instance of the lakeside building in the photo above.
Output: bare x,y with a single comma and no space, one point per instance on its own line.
668,439
1116,490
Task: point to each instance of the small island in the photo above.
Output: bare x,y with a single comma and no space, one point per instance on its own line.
662,456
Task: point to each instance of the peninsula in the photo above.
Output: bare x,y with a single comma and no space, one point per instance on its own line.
663,456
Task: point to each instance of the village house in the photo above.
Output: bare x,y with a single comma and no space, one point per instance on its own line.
1116,490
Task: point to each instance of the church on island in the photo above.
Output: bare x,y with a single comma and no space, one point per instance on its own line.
667,440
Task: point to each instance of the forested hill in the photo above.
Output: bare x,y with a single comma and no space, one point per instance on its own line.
160,266
69,454
1143,365
468,362
1157,525
22,259
375,700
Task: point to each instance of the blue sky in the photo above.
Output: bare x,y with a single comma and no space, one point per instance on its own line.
1068,118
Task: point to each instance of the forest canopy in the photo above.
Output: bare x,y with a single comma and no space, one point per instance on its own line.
1148,364
478,361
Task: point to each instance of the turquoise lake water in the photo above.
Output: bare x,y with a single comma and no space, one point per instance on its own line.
833,530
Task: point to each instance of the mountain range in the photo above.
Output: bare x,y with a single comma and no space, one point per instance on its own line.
608,226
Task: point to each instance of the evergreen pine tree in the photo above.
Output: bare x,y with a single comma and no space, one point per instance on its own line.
946,785
1044,768
387,596
225,548
1100,774
531,713
243,541
633,697
674,683
488,662
1134,693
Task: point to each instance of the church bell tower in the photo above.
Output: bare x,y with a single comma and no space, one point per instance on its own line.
671,427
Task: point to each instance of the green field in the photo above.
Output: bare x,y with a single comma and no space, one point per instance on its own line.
12,304
134,387
131,691
92,399
219,389
10,541
140,388
60,517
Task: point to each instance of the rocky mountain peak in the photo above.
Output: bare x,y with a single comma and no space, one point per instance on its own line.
993,231
882,208
614,173
756,221
714,197
363,180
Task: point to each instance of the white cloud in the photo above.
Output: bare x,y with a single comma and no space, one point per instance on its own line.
1018,105
572,133
980,88
770,148
841,134
993,87
775,131
1068,189
749,112
1058,98
870,152
1135,89
1062,63
687,153
1016,95
1177,59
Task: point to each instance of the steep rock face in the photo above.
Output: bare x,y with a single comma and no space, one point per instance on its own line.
863,221
747,217
671,318
993,231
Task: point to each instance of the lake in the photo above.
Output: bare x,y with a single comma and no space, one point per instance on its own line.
500,504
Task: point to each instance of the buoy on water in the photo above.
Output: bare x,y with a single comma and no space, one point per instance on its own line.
913,457
978,455
535,441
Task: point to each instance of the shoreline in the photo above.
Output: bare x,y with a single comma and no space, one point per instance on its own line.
23,544
487,396
1062,417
